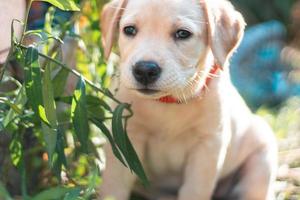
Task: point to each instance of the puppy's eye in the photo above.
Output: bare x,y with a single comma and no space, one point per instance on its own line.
130,31
182,34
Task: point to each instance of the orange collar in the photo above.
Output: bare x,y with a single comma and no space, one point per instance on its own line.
171,99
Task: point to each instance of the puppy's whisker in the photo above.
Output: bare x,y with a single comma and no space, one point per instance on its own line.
182,93
209,74
206,87
213,75
175,90
190,89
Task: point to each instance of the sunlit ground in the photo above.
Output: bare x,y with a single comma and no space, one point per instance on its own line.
285,123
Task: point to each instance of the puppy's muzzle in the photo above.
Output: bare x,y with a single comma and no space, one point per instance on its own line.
146,72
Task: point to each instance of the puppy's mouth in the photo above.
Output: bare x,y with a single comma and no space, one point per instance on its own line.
147,91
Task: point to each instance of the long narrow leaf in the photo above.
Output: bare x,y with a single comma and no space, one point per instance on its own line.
59,82
118,129
135,163
106,132
59,157
33,80
79,115
4,193
50,133
123,142
54,193
20,101
96,101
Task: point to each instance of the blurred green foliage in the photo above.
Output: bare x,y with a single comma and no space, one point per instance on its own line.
55,131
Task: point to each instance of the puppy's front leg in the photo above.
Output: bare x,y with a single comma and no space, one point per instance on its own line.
118,181
202,169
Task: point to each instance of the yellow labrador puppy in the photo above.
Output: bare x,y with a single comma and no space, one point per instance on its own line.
194,134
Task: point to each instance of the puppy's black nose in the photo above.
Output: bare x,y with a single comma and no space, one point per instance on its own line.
146,72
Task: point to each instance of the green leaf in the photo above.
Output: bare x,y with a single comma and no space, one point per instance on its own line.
93,183
79,115
96,101
33,80
95,107
59,74
16,153
135,163
17,157
66,5
59,82
123,142
73,195
49,17
118,129
106,132
50,133
53,193
59,155
20,101
4,193
42,115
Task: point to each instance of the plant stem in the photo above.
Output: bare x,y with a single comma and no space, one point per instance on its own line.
106,92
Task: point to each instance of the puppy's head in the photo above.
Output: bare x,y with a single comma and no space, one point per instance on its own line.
167,47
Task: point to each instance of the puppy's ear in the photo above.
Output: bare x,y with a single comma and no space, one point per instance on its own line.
225,28
110,17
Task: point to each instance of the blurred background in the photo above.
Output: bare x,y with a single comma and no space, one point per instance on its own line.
265,69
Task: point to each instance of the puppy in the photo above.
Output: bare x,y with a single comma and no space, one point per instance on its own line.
191,129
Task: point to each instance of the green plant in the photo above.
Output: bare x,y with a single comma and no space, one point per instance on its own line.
61,129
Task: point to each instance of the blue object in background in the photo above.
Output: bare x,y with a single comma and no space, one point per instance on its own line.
38,12
257,70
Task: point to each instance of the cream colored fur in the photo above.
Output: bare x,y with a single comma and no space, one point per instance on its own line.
188,147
